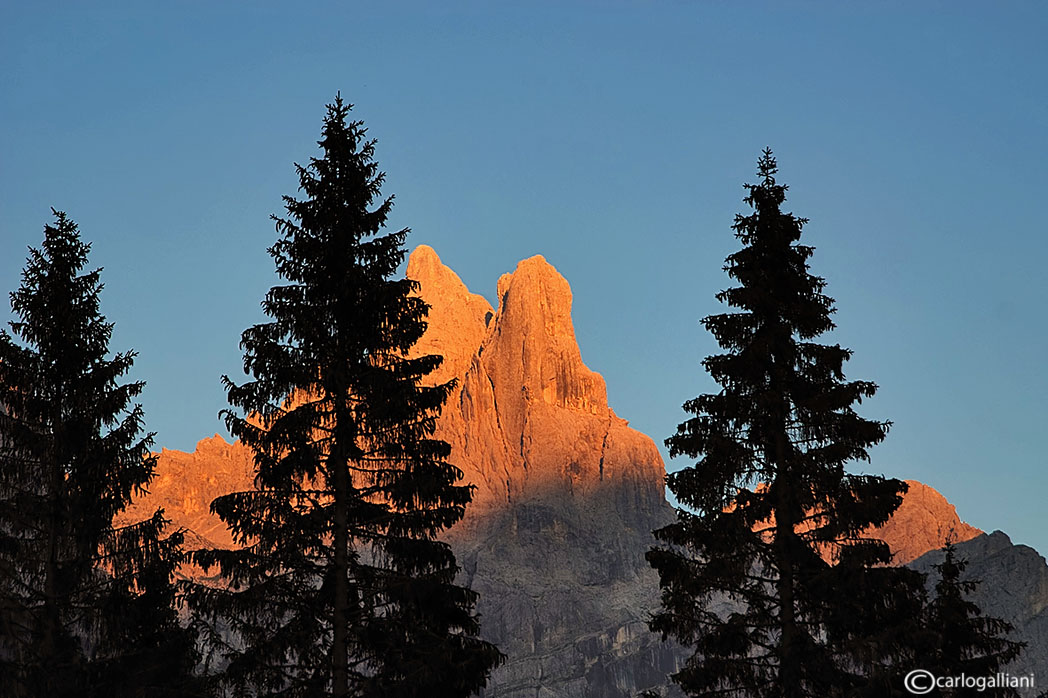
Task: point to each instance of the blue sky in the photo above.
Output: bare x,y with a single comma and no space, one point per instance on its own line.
611,137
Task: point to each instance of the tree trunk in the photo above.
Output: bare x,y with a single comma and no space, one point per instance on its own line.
51,617
789,662
339,605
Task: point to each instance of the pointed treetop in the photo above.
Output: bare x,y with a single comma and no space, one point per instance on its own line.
767,167
335,121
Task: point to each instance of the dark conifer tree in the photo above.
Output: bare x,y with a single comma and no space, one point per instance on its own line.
770,520
964,640
86,607
339,586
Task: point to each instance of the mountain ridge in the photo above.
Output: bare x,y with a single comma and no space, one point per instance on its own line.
566,493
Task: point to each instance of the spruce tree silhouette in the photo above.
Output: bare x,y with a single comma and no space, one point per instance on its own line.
769,519
340,587
965,642
86,608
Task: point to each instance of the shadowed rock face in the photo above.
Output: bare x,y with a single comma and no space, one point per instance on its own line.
1013,586
566,493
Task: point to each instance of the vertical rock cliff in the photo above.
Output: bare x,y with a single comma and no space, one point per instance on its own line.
566,493
528,420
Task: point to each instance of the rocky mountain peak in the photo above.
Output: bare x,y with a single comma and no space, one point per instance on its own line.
534,323
528,418
924,521
457,320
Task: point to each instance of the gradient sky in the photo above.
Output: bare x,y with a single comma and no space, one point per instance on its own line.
611,137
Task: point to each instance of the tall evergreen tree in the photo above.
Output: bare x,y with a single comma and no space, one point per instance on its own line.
964,641
770,520
86,607
339,586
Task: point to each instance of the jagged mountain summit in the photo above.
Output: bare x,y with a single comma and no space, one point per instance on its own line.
566,496
529,421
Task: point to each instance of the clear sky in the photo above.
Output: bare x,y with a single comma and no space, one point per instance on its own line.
611,137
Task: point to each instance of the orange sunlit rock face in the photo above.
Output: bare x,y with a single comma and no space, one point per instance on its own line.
528,419
185,483
924,521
